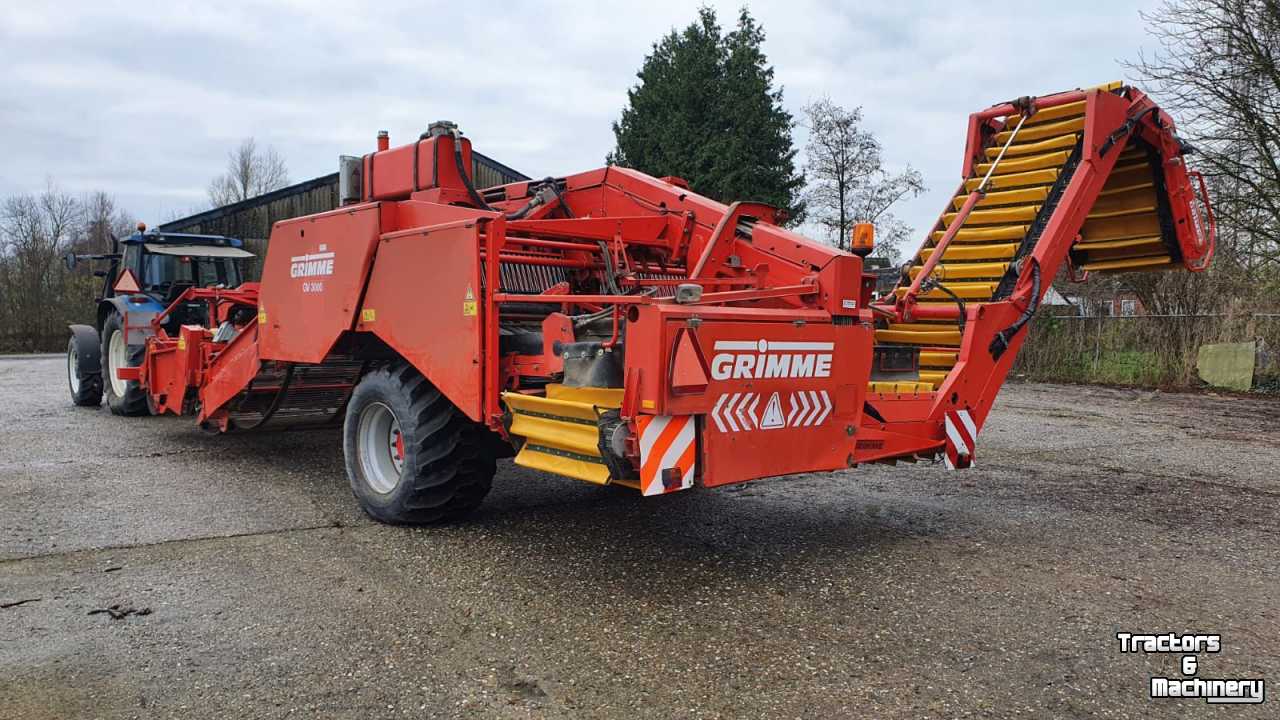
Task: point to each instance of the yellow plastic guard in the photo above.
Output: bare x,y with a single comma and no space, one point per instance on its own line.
1109,191
1010,165
963,271
1040,131
933,377
965,290
1159,262
1008,232
974,252
1053,113
1133,201
1021,214
1061,142
560,432
1120,228
1011,179
1114,244
920,334
1008,197
931,358
909,388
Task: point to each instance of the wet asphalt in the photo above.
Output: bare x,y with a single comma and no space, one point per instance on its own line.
259,590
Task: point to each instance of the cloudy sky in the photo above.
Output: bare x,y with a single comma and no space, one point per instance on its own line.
144,99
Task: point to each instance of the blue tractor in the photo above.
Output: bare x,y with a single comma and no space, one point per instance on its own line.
144,274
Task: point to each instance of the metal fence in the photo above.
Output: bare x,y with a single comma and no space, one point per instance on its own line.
1145,350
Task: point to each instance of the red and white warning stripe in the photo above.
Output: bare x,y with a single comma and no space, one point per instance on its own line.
668,453
962,436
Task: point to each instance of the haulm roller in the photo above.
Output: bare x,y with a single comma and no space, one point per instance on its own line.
618,328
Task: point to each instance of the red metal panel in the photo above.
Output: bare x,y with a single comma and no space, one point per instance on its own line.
424,301
230,372
390,174
782,397
312,280
173,365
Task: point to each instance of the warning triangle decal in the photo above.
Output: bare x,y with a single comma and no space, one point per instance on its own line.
127,283
772,414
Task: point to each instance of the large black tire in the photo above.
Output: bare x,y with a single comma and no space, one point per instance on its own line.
84,374
412,457
123,397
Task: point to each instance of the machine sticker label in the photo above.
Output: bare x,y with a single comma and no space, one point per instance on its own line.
772,414
469,303
368,315
738,412
311,265
262,317
754,359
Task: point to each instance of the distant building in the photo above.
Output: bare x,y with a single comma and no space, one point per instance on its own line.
1058,304
1126,304
252,219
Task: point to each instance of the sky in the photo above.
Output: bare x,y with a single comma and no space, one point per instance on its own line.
144,100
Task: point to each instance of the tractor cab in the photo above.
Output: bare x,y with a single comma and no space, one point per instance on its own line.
148,270
163,265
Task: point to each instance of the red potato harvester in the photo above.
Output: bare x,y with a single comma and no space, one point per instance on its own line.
619,328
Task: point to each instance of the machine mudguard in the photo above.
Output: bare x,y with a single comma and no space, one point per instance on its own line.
88,347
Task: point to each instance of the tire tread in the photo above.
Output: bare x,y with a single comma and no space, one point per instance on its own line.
450,473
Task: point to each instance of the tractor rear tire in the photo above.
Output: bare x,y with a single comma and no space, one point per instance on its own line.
124,397
412,456
84,374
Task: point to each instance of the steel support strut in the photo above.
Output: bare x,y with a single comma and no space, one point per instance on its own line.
907,304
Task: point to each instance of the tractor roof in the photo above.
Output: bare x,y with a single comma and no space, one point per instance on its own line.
154,237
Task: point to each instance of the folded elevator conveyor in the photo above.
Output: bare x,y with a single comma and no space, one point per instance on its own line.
1126,230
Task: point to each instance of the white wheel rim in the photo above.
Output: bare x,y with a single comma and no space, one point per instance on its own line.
117,357
73,378
380,447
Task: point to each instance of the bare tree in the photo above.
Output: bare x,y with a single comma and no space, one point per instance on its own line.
250,173
1218,66
103,222
849,181
34,232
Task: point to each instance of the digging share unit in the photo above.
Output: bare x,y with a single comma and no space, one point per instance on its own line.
618,328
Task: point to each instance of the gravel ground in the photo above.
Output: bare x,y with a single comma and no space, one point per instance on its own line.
879,592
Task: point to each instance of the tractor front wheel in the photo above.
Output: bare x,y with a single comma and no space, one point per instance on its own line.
412,457
124,397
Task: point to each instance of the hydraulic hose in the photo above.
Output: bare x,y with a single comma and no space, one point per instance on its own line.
1000,342
479,201
936,283
466,176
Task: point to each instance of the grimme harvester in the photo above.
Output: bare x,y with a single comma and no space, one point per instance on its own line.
618,328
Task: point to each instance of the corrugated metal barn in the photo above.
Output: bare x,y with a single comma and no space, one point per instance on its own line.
251,220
